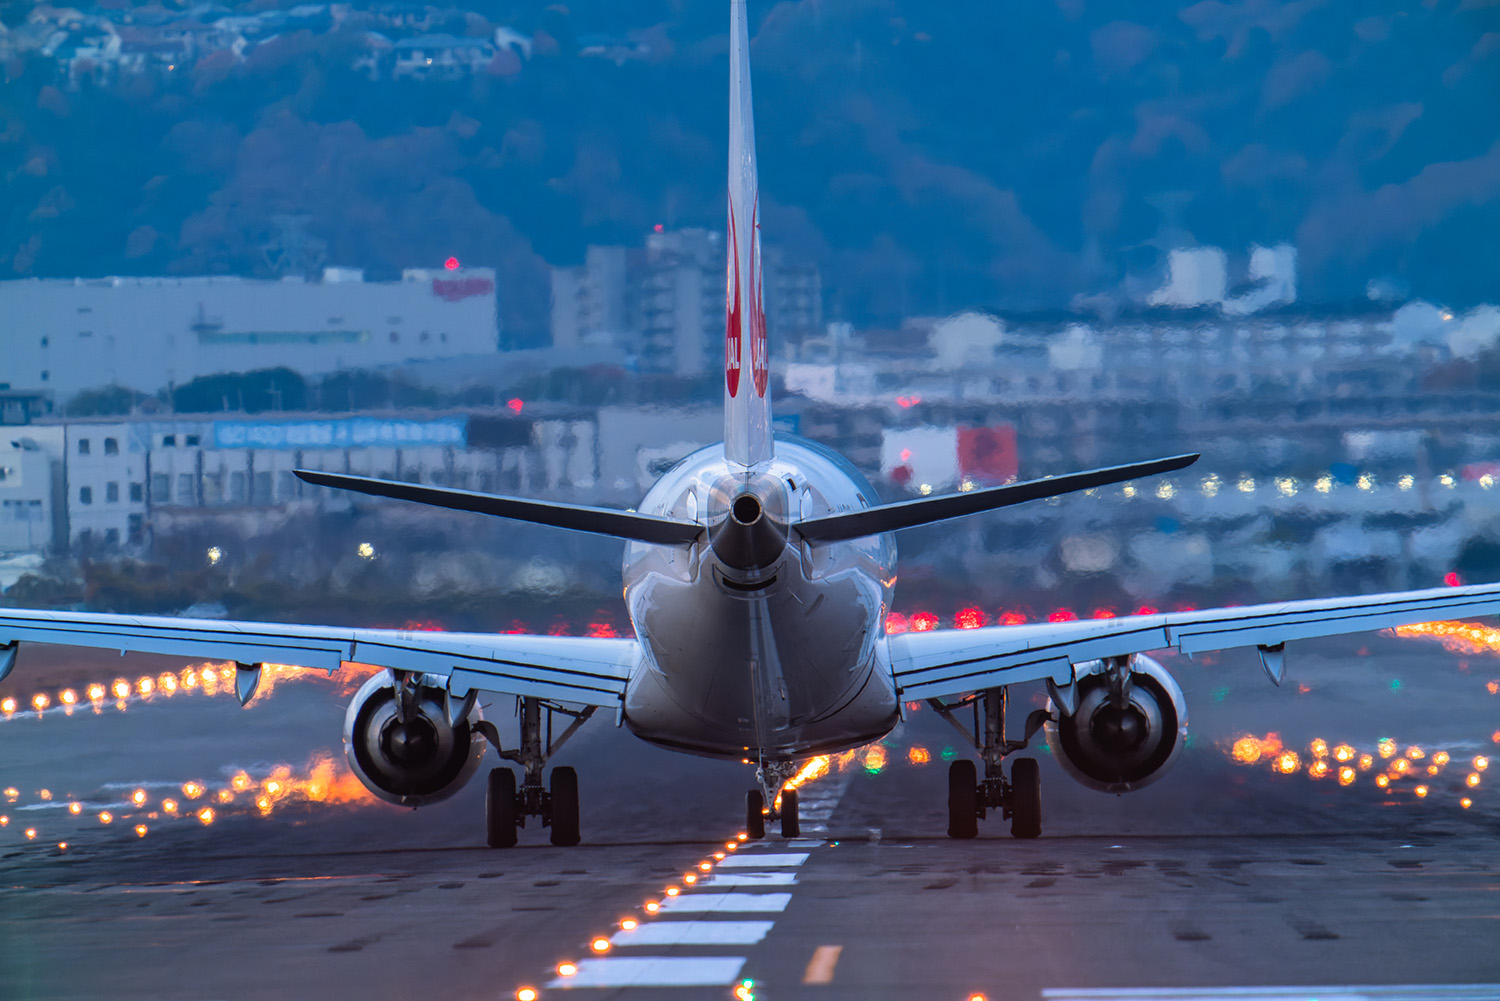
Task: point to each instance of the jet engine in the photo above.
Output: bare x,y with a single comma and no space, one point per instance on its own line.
415,760
1126,728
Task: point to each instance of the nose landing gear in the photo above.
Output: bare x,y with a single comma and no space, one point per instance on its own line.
773,775
970,799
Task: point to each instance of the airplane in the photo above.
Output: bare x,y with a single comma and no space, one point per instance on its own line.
758,573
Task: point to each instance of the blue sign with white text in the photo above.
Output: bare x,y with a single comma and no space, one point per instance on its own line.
355,432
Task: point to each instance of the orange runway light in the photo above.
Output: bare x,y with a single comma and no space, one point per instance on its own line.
75,808
672,891
68,697
1440,758
206,816
31,834
1346,776
62,846
719,856
732,846
919,755
742,836
1420,791
705,866
4,821
169,806
600,945
138,797
140,830
1466,802
566,969
629,924
1472,780
105,817
1366,762
1387,748
1343,753
1415,753
1383,781
12,793
121,688
45,795
1481,763
1288,762
526,994
146,686
40,702
1401,766
192,790
651,907
1319,747
690,878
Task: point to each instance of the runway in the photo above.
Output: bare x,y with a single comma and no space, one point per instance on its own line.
1222,880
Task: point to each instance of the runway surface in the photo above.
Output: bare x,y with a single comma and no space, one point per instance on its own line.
1226,878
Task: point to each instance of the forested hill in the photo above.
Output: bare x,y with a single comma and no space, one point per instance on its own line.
929,156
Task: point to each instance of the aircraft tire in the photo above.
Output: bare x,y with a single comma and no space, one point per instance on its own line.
1026,798
755,817
963,812
564,807
791,824
500,808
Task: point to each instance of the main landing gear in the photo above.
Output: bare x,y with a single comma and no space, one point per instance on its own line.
969,797
773,776
505,806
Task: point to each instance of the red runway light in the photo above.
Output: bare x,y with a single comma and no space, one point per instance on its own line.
969,618
1063,615
451,264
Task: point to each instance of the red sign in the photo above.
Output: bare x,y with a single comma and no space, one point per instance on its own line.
454,289
988,455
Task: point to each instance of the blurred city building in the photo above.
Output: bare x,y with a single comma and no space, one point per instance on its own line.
663,304
64,336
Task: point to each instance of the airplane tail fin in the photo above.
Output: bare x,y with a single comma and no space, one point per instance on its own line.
747,400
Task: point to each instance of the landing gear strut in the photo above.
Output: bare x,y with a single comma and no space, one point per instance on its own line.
507,807
773,776
970,798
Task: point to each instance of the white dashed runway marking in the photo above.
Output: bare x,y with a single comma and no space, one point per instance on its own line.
700,915
693,933
754,861
698,903
749,879
654,971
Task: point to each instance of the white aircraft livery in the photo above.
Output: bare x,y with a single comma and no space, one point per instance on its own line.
758,573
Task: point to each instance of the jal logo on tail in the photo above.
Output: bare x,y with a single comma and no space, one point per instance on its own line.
732,311
759,362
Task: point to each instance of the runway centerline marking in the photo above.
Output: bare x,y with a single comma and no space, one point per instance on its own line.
825,959
693,933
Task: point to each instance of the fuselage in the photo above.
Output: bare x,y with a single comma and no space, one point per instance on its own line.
775,662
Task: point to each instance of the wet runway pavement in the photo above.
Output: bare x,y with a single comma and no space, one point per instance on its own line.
1220,876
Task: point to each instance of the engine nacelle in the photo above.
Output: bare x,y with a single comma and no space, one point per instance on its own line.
1124,747
421,761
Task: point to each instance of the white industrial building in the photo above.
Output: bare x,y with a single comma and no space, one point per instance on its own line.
148,333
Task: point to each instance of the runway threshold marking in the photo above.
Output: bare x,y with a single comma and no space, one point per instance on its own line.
654,971
743,879
693,933
693,919
1395,992
701,902
771,861
825,959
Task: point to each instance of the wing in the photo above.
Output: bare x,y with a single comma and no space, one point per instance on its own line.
936,664
573,669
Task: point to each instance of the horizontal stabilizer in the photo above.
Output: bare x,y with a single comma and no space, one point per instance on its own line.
599,520
926,510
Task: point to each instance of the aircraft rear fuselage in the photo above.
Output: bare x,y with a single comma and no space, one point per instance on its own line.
774,662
